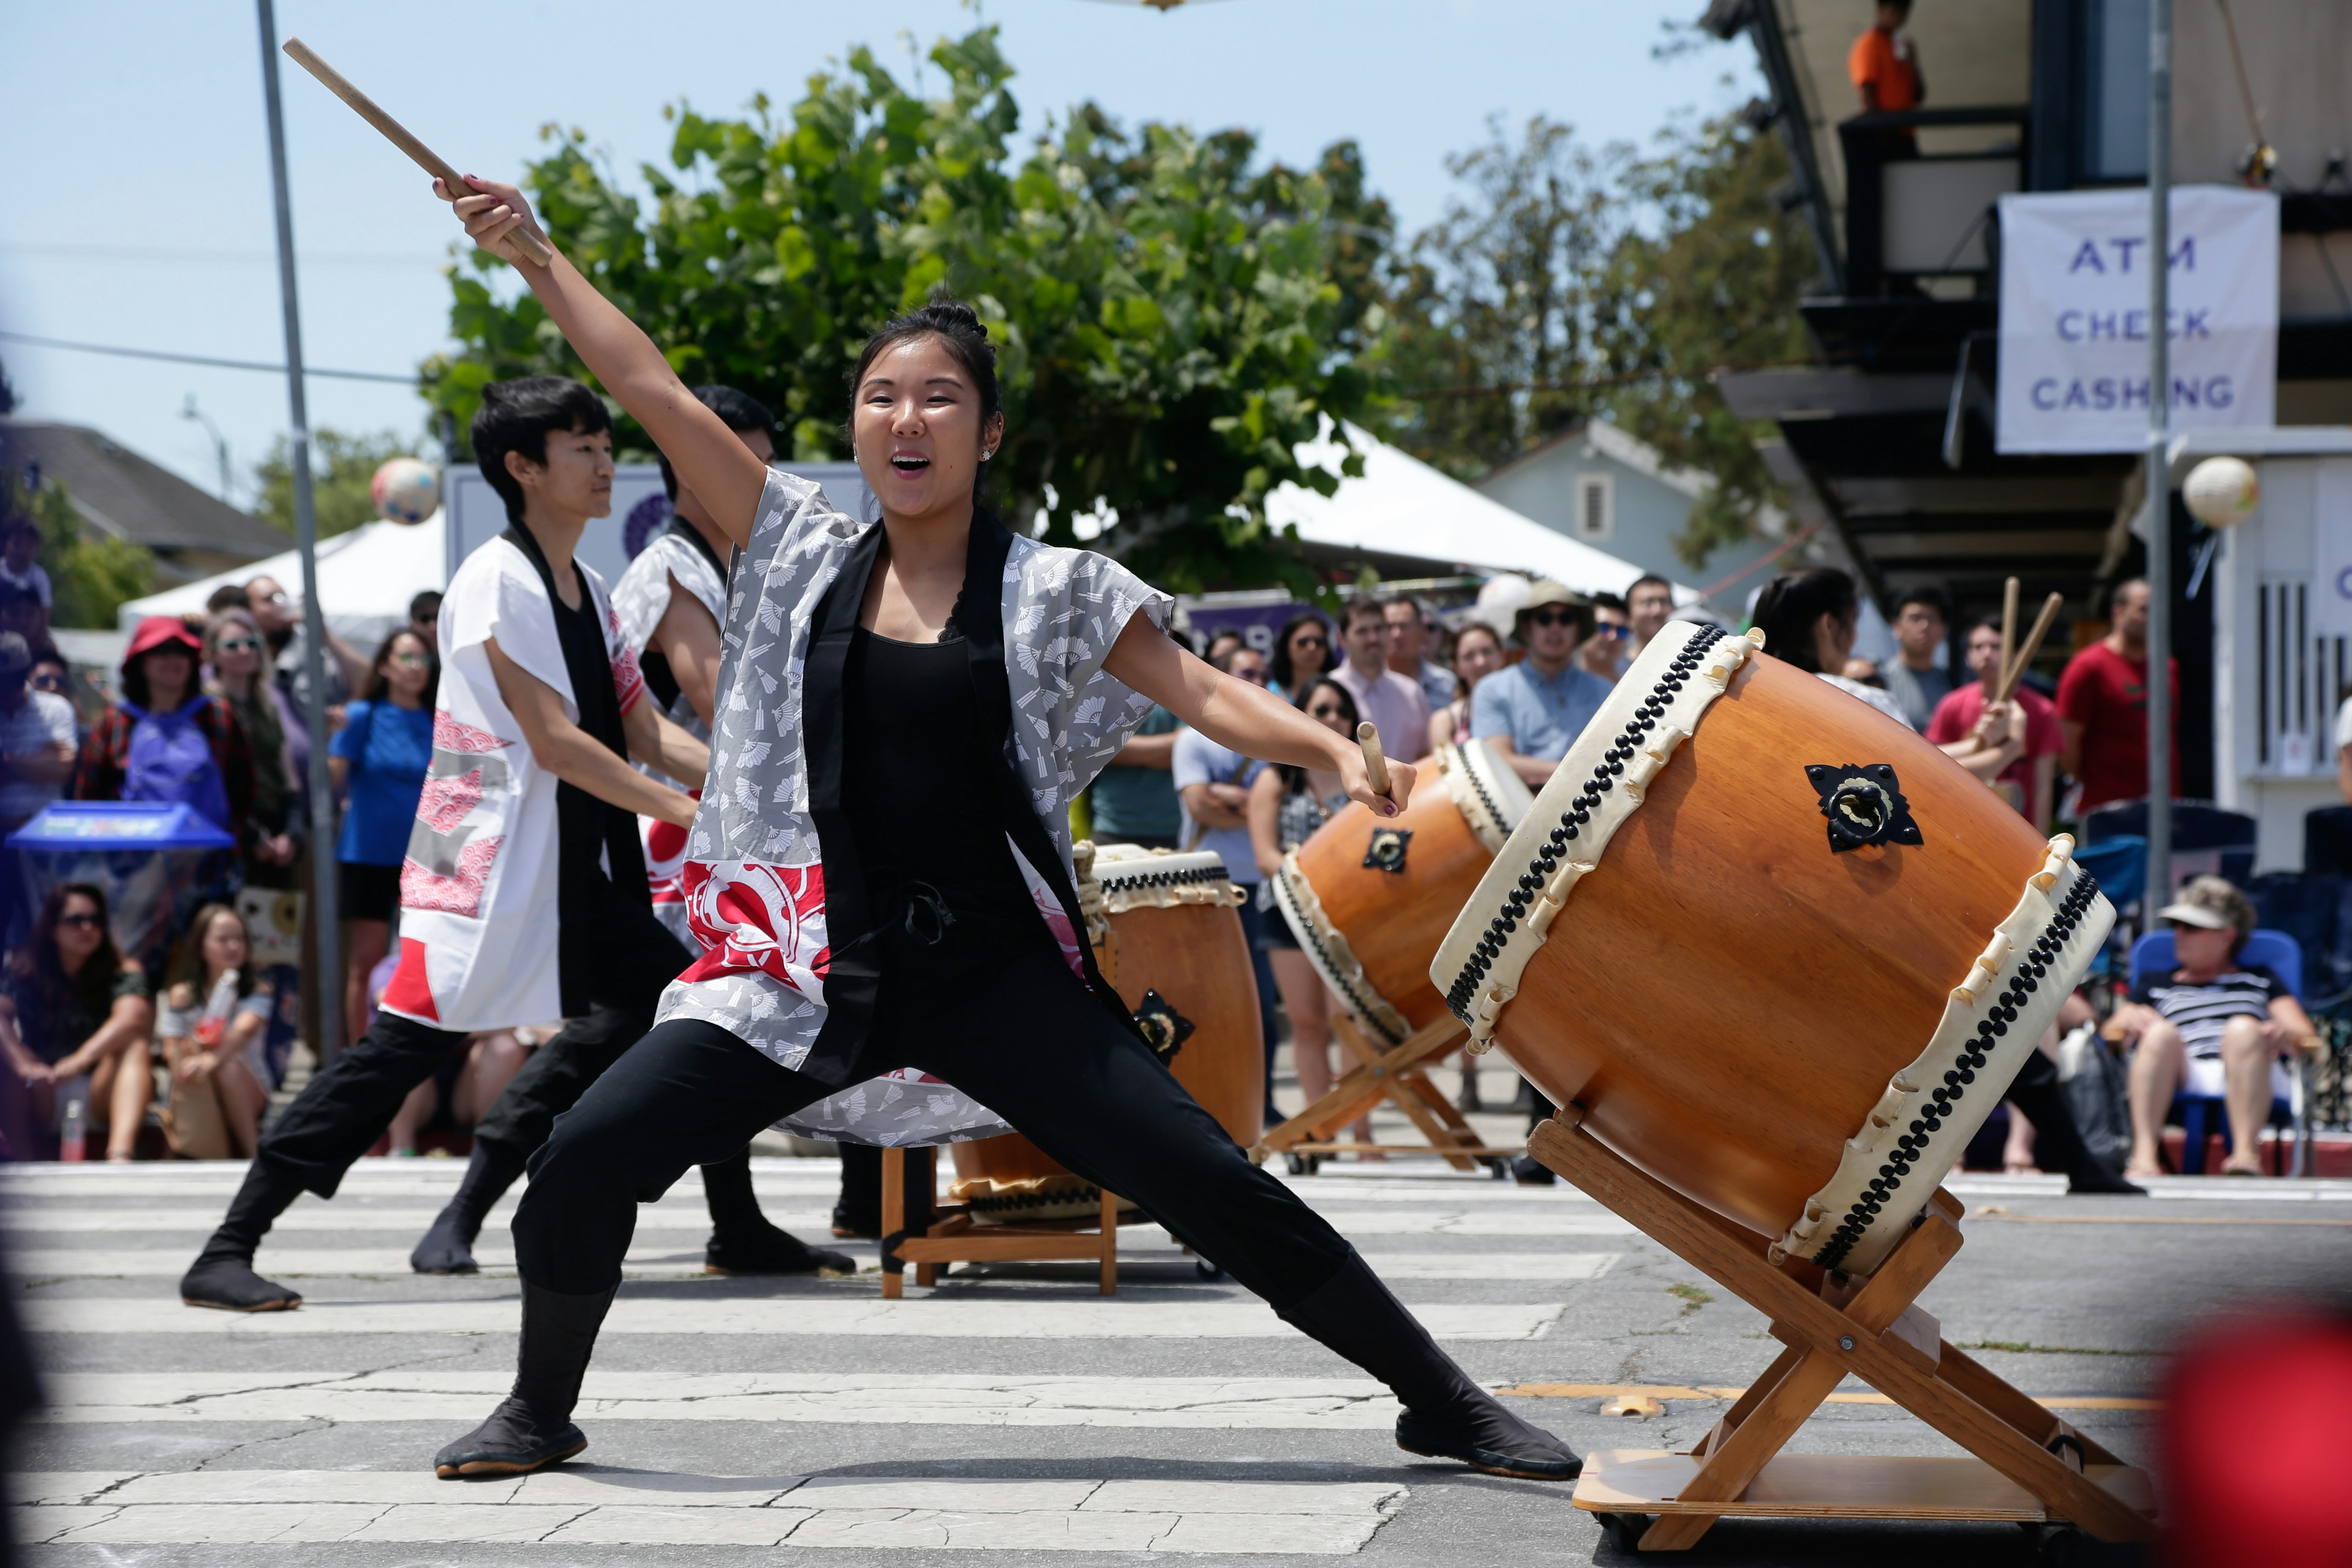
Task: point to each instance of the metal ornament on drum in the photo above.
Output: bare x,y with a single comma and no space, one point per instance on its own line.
1370,898
1167,939
1785,954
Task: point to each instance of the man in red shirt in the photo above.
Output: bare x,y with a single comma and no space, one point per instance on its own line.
2102,700
2034,769
1885,64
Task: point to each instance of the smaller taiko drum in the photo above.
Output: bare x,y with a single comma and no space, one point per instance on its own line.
1370,898
1168,938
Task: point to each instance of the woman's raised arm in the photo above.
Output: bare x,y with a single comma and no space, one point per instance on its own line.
711,458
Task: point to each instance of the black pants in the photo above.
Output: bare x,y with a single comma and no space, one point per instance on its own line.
993,1010
614,951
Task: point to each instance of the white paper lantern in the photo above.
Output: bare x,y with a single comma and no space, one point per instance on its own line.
406,489
2222,492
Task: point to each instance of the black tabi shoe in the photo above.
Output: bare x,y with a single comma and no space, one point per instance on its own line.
231,1285
446,1248
768,1250
1531,1172
513,1442
1485,1437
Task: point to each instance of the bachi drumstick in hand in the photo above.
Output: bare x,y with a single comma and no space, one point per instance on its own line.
1376,765
432,162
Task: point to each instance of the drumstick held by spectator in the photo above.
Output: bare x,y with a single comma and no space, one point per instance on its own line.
2014,671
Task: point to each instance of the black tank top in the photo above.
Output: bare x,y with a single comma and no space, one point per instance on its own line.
916,780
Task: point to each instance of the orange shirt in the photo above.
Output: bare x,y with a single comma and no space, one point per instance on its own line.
1879,60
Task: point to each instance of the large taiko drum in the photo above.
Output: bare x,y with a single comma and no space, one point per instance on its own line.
1167,938
1370,896
1784,954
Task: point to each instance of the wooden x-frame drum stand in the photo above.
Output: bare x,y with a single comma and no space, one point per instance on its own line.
1398,1075
2030,1467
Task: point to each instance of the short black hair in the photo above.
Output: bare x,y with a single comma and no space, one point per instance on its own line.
1649,580
1929,595
739,411
517,416
17,522
1609,602
227,596
425,606
1360,607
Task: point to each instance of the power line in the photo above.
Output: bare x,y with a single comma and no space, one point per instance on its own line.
202,359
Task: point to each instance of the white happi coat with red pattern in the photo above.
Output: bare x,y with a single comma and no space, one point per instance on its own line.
477,891
754,880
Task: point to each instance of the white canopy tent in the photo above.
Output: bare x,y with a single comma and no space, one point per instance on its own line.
1401,506
366,578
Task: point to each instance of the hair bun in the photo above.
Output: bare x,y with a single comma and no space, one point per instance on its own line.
950,316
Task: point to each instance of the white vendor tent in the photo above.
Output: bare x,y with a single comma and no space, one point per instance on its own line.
1401,506
366,578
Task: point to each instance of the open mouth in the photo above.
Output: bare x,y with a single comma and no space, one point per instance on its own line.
909,463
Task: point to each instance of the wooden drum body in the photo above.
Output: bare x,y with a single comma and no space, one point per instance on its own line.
1370,898
1785,954
1168,938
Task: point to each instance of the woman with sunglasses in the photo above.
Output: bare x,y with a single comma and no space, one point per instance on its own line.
72,1005
1302,651
236,660
1286,804
378,761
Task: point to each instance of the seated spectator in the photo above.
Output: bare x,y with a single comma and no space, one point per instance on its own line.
215,1014
2015,744
1409,641
1286,804
1531,712
1477,654
164,740
2212,1025
1608,651
1912,677
1302,652
378,759
1384,697
72,1005
1809,619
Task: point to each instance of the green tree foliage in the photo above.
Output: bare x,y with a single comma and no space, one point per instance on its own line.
1173,320
342,466
90,572
1567,285
1716,284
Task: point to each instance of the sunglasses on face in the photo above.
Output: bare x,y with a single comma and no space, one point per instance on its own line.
54,683
1552,617
277,598
1323,710
86,921
1610,631
1254,676
239,645
1308,642
407,660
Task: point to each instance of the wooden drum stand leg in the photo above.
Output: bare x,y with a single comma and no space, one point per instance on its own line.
2030,1467
1394,1075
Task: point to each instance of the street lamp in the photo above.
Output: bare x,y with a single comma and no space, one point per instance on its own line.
220,442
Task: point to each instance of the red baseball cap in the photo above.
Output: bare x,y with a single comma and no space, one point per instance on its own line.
155,631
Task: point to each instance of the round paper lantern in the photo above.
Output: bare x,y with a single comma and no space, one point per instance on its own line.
2222,492
406,489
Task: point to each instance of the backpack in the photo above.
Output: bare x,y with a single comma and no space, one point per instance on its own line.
171,759
2092,1081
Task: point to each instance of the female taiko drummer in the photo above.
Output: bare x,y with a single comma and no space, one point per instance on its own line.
906,712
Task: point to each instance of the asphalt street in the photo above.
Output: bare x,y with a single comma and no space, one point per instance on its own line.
1013,1409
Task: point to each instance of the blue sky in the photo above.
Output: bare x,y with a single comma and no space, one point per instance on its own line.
140,210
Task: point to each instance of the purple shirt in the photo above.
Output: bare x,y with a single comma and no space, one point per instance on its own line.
1395,704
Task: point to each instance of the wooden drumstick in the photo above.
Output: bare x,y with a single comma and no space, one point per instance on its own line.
2007,632
1376,765
432,162
2016,671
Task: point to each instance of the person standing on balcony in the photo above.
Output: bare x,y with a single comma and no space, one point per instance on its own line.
2102,700
1885,66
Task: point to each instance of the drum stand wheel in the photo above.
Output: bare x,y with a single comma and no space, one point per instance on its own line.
953,1236
2030,1467
1395,1075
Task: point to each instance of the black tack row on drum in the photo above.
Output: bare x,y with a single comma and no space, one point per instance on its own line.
2030,972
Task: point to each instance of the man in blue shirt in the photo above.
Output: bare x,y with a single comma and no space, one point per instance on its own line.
1531,712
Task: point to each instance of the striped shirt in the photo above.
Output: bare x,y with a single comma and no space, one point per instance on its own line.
2200,1009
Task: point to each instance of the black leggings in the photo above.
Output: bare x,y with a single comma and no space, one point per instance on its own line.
994,1011
624,957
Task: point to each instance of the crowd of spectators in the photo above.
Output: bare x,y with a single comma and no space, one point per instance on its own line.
207,711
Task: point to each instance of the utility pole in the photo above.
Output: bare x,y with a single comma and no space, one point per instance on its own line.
2159,484
328,982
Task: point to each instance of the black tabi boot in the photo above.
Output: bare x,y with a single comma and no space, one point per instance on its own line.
531,1428
2056,1143
448,1245
742,1239
1446,1416
222,1275
858,1210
